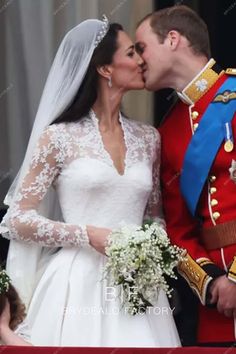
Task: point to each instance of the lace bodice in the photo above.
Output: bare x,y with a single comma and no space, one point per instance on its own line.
72,159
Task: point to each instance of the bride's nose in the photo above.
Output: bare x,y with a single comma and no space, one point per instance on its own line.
140,60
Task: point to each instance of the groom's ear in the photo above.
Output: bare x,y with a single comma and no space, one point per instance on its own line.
173,39
105,71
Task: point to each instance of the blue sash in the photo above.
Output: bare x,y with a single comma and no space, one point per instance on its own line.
204,146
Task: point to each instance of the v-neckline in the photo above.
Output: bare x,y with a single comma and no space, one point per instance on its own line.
95,119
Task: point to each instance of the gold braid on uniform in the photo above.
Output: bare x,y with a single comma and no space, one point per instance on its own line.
195,276
232,271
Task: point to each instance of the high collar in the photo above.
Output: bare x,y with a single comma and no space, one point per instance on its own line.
201,83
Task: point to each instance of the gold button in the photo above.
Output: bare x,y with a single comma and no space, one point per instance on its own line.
212,178
194,115
213,190
195,126
216,215
214,202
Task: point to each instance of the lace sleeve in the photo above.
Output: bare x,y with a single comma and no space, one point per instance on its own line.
154,210
23,218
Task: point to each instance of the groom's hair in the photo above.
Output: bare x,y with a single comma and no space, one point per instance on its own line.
187,22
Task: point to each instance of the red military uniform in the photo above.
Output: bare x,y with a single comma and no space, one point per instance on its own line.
208,238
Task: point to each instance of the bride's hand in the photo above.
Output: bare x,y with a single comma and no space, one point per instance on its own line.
98,237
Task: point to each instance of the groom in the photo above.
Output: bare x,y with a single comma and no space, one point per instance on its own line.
198,170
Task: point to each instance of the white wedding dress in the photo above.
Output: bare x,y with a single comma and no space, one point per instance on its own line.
71,304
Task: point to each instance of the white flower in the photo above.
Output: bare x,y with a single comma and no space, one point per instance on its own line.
232,171
4,282
201,85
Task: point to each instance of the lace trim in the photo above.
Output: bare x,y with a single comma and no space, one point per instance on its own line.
58,147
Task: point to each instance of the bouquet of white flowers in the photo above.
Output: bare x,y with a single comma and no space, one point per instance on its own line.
139,258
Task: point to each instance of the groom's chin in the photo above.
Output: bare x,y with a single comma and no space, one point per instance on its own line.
151,85
148,87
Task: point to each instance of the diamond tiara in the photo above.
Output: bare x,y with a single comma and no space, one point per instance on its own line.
101,34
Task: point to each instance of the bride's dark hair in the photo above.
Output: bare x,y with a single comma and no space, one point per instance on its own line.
87,93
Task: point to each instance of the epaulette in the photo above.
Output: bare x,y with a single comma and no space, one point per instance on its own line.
230,71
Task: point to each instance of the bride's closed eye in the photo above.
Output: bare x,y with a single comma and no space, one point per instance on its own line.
131,54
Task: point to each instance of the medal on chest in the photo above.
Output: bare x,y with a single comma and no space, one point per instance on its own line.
228,145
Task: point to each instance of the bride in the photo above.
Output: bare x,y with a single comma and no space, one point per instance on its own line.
104,170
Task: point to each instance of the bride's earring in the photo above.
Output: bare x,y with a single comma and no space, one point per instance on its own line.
109,82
